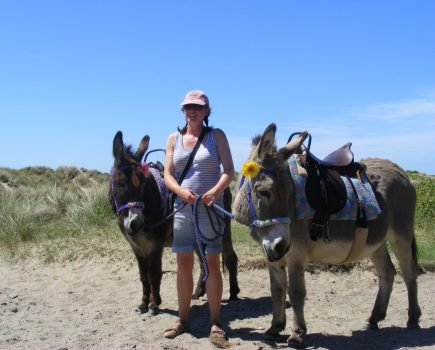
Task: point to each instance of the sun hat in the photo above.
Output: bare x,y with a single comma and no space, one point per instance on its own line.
195,97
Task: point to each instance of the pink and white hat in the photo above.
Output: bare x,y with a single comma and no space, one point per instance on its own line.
195,97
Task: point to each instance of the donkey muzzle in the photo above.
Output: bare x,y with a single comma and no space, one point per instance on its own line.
134,222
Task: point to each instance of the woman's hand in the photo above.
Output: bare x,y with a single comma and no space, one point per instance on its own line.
209,198
188,196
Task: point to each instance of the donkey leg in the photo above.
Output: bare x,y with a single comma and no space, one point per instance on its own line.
406,253
155,277
297,292
230,260
386,271
143,273
200,285
229,256
278,284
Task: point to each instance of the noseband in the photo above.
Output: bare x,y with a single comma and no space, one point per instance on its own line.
262,223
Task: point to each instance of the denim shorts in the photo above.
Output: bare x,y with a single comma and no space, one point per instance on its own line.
184,230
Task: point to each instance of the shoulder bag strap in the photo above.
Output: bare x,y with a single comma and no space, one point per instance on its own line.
192,155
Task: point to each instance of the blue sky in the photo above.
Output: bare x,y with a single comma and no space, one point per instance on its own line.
72,73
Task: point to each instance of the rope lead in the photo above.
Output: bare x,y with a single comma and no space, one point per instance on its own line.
201,239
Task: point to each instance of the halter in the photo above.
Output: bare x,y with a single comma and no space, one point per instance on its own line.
267,222
140,204
129,205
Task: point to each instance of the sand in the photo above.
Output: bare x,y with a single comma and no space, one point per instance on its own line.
91,305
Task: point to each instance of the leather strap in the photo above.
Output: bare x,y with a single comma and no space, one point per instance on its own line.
192,155
190,160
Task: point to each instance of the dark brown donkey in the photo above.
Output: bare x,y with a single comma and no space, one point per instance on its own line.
137,198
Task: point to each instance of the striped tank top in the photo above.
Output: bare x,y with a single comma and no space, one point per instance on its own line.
205,170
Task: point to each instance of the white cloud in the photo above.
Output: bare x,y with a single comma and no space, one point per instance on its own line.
407,109
402,131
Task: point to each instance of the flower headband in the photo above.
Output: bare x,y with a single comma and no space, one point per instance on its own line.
251,169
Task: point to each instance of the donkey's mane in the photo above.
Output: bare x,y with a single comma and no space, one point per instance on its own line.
128,154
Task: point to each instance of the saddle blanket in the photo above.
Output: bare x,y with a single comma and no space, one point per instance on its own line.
349,212
164,192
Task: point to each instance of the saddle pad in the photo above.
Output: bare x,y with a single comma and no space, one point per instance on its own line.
364,190
164,192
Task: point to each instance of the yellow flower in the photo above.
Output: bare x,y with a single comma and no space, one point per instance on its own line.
251,169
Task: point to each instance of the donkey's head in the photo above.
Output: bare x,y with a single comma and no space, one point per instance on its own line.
265,200
133,190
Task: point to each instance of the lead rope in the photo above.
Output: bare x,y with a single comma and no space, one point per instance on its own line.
200,237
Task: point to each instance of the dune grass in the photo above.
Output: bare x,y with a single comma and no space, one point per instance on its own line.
64,215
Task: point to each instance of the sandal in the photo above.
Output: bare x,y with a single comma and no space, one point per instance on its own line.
177,329
218,337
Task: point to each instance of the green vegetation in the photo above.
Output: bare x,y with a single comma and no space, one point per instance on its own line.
64,215
425,216
49,213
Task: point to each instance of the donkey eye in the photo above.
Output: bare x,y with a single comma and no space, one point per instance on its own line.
265,194
121,184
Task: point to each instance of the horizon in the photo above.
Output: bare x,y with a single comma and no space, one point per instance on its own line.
74,73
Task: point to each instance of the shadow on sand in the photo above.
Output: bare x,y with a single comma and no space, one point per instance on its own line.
388,338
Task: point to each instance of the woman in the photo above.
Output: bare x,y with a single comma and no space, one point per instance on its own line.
204,178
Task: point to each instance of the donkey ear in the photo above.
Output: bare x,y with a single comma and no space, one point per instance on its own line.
118,145
143,146
267,142
293,145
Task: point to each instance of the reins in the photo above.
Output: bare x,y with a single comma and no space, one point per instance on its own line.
166,218
201,239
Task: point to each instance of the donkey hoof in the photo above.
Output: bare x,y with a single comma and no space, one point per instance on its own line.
234,293
296,341
272,332
153,311
412,325
142,309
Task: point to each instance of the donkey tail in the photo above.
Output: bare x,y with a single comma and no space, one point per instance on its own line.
415,254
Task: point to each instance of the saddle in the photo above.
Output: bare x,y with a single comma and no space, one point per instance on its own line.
325,189
157,164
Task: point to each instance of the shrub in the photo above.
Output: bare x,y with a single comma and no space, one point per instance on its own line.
16,219
425,187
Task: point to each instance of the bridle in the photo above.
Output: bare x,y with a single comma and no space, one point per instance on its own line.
144,168
256,223
129,205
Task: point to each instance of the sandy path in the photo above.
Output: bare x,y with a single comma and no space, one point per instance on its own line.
91,305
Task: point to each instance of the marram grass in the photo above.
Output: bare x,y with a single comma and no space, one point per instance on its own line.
64,215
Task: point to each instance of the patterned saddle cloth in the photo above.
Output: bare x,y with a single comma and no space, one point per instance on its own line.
349,212
164,192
